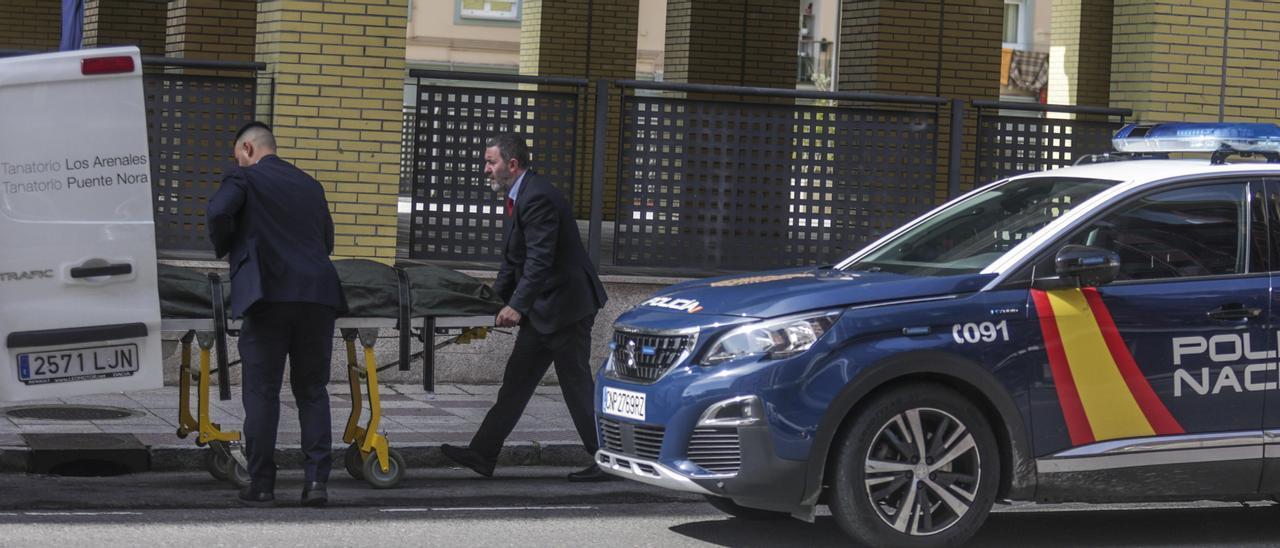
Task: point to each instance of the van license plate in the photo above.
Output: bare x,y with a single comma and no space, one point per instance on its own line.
624,403
78,364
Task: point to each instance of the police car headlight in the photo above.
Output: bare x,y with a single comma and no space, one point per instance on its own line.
773,339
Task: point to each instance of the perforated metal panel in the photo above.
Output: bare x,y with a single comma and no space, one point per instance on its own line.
456,216
406,152
191,121
1013,145
727,186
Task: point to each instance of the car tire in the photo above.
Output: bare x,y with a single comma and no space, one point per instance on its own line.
742,512
875,478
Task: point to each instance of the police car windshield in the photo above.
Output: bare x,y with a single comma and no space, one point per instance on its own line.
969,235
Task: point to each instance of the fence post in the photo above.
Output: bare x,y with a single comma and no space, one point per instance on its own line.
957,144
597,171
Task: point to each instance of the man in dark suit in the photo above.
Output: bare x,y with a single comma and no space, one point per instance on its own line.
552,292
272,221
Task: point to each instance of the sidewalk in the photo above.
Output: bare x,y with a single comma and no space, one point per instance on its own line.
415,423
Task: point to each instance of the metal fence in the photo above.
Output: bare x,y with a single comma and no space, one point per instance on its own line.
454,215
191,120
1012,145
713,178
725,185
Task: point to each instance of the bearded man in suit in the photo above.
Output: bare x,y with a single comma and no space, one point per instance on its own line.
552,292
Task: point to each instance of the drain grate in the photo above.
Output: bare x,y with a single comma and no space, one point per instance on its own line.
68,413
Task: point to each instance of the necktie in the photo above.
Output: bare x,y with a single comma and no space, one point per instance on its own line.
511,204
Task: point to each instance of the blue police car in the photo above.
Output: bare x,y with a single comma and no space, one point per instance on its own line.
1103,332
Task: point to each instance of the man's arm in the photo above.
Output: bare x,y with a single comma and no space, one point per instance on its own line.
223,209
541,233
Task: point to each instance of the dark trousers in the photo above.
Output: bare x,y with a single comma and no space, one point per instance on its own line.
570,349
303,332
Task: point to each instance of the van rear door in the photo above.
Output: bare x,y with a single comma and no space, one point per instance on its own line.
79,307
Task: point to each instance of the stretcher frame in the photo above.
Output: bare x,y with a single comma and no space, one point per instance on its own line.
226,459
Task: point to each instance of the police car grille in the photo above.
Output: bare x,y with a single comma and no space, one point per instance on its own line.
648,441
642,357
611,435
638,440
716,450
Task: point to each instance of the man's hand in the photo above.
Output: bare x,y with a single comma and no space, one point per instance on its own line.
508,317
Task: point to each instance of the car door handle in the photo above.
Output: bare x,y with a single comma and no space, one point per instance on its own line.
118,269
1234,312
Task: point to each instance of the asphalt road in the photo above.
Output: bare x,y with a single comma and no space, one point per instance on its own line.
531,507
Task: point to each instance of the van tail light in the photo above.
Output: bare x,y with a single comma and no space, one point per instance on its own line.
106,65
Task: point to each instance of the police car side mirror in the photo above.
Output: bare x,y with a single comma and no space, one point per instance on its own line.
1087,266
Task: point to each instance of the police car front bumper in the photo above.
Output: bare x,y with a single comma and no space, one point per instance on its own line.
764,480
646,471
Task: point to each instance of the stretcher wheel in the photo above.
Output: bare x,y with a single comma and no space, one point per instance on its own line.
215,462
182,434
376,478
236,474
351,459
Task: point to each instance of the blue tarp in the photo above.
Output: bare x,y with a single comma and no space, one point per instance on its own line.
72,24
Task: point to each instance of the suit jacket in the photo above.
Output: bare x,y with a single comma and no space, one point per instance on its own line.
272,221
546,274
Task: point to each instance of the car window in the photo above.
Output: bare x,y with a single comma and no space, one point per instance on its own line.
1193,231
971,234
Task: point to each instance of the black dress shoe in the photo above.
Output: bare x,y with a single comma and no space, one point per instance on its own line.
315,494
591,473
469,458
252,496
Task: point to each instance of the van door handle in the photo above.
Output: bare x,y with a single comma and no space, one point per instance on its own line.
1234,312
118,269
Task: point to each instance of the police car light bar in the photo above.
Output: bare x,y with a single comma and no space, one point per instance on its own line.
1197,137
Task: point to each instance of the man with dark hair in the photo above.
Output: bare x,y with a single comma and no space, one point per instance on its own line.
272,221
552,292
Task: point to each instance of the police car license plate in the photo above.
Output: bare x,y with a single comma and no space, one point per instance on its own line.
624,403
78,364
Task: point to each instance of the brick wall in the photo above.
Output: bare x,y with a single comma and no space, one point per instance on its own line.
1168,64
1080,53
126,22
733,42
590,40
339,72
30,24
220,30
910,47
897,46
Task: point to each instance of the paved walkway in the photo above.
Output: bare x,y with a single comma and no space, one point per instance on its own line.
415,423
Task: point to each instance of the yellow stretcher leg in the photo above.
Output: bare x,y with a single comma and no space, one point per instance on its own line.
224,461
209,431
186,423
373,441
353,431
388,467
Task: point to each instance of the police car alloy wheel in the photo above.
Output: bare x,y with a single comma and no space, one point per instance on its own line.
917,466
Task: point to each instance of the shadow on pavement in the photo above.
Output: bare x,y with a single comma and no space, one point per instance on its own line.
1240,526
1252,526
786,532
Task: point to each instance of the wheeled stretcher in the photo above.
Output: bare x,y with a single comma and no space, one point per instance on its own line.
369,455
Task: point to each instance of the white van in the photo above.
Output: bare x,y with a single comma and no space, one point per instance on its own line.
79,308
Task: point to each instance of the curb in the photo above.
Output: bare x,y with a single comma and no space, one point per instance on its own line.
419,455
